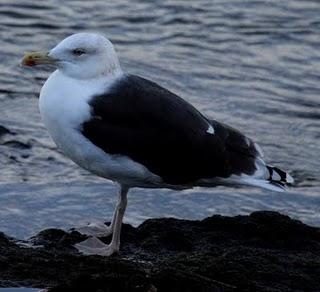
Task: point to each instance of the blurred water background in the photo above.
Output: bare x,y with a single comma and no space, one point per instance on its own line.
252,64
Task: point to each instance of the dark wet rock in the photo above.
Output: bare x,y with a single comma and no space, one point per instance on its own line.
57,238
265,251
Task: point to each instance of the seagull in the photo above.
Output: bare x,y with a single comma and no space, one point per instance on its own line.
134,132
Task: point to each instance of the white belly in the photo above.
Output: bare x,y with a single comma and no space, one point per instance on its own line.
64,107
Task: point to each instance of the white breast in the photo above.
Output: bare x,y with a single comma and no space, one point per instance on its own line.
64,107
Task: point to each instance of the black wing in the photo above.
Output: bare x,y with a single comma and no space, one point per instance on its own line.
160,130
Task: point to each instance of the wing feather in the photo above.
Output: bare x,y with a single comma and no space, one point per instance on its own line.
160,130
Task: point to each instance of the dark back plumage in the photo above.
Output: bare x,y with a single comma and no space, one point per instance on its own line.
166,134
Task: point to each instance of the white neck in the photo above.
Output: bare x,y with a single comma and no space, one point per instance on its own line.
65,98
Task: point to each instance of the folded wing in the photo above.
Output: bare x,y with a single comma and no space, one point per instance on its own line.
156,128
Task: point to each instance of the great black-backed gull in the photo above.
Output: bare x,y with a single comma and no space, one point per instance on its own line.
136,133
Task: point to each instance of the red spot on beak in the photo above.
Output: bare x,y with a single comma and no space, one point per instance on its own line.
29,63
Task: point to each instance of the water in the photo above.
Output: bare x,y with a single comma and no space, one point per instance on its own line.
252,64
20,289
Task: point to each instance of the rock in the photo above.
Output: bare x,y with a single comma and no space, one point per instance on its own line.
265,251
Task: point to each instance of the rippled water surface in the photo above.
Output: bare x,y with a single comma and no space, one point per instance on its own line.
20,289
252,64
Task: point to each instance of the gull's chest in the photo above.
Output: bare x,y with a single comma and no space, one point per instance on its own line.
64,102
64,108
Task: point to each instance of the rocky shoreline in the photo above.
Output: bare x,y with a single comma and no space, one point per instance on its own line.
265,251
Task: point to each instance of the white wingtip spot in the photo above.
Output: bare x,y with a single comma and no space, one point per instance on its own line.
210,130
289,178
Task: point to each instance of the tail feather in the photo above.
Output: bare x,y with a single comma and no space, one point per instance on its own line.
265,184
279,176
274,179
266,177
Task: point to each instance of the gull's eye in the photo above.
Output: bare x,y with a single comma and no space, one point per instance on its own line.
78,52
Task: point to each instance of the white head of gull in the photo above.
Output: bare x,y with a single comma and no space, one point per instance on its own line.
136,133
86,56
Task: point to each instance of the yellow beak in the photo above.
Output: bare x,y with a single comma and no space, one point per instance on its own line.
36,58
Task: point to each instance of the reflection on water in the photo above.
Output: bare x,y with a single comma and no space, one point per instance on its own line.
19,289
252,64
